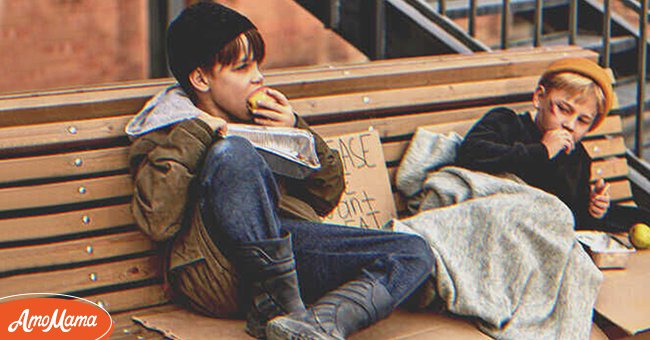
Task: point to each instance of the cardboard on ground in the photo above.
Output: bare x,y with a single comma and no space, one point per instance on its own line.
624,296
368,200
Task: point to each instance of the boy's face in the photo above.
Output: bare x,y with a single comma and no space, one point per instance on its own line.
230,85
559,109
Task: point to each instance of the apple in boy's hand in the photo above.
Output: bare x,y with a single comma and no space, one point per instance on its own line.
640,235
259,95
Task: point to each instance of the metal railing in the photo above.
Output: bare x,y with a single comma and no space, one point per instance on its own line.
640,98
605,61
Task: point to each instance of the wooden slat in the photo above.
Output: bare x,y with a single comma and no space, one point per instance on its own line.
406,124
460,127
68,223
611,125
394,151
600,148
426,96
34,136
95,100
72,132
560,51
71,280
65,193
620,190
65,164
609,168
75,251
402,75
129,299
115,159
627,203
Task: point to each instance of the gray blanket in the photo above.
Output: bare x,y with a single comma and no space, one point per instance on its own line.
506,253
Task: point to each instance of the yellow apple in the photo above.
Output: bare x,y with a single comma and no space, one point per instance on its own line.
640,235
257,96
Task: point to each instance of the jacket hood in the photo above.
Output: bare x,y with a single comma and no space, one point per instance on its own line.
169,106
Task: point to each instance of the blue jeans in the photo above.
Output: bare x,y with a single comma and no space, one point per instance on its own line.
238,200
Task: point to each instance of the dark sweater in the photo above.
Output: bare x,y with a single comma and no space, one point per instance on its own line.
503,141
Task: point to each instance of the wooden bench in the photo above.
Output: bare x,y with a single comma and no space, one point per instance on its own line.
65,224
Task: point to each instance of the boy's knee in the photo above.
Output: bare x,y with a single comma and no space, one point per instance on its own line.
420,248
233,150
232,157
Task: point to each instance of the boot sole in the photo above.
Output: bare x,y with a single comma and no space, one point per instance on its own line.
280,331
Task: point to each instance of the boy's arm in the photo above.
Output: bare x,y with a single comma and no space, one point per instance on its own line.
163,166
323,188
492,145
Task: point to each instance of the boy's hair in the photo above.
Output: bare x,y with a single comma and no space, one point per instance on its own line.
580,75
576,84
208,33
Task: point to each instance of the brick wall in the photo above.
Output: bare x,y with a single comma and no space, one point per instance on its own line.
54,43
58,43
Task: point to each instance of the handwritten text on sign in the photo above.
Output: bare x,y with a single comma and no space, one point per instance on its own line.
367,201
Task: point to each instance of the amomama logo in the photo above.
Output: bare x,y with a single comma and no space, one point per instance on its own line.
52,316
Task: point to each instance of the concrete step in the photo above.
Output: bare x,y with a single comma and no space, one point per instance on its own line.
589,41
460,8
626,91
629,131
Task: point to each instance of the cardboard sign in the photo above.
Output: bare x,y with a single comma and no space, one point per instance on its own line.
368,200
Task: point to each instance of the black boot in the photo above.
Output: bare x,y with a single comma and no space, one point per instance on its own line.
355,305
271,267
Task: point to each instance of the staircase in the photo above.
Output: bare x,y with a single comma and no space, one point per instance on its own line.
402,28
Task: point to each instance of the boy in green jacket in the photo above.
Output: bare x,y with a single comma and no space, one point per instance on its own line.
244,240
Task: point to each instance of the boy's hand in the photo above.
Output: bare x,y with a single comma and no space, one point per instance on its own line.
216,124
279,113
599,199
556,141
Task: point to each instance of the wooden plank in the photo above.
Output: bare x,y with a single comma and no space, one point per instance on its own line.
393,151
609,168
75,251
560,51
627,203
121,99
402,125
67,223
115,159
460,127
95,276
129,299
620,190
605,147
611,125
64,164
101,160
71,132
412,98
402,75
85,190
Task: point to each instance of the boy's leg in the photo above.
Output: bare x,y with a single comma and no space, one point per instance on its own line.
238,197
373,270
